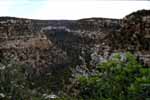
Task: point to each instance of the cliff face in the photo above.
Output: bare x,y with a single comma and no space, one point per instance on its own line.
56,45
135,33
50,43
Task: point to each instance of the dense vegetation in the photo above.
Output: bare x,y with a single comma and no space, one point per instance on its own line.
18,83
13,82
116,79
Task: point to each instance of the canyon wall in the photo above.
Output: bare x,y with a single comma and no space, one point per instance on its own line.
54,46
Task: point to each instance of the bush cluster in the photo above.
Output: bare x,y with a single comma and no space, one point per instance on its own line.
117,79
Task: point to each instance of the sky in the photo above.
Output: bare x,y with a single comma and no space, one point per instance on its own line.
70,9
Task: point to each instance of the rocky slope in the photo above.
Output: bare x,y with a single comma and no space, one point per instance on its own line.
54,46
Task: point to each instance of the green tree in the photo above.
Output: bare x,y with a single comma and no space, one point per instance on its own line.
117,80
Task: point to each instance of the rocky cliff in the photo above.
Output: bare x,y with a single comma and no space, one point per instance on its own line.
54,46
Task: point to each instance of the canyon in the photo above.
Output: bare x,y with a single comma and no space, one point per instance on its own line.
68,48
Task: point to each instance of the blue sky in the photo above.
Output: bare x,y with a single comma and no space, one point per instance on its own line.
70,9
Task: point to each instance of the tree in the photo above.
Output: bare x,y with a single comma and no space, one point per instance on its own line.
117,79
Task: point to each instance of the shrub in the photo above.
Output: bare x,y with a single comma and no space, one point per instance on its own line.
13,82
17,82
117,79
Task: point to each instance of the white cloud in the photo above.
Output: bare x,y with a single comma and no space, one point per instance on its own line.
70,9
81,9
5,7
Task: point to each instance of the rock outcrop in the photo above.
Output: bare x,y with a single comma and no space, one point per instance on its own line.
52,46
